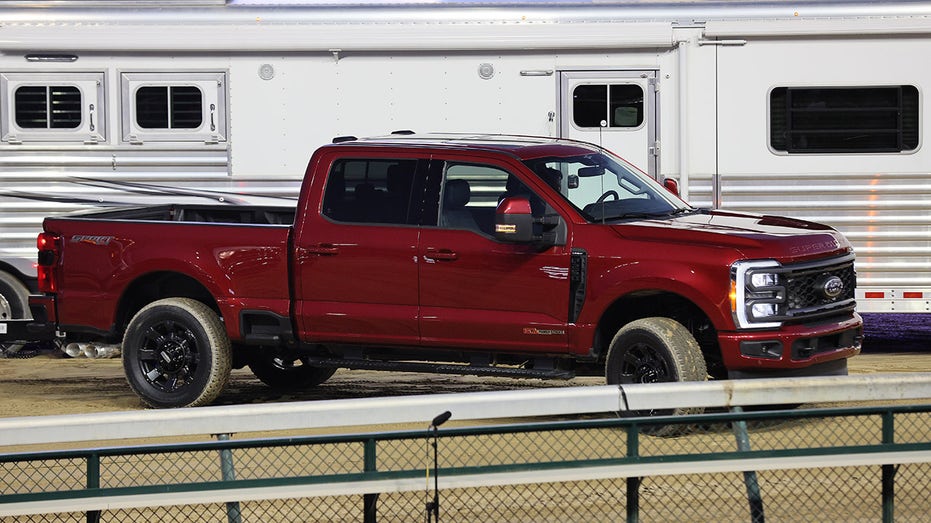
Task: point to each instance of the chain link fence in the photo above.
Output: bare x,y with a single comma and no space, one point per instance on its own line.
850,464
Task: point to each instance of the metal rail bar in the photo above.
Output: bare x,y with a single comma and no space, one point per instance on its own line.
555,401
93,503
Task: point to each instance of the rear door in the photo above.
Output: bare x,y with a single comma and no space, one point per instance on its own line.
477,292
614,109
356,256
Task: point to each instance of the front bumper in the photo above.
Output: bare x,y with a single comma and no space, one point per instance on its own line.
793,350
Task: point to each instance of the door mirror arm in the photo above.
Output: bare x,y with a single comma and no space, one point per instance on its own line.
515,223
671,185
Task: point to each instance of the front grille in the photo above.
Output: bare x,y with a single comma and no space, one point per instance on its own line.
808,288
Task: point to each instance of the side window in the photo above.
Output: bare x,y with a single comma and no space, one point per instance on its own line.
52,107
383,191
169,107
471,192
173,107
844,119
618,105
47,106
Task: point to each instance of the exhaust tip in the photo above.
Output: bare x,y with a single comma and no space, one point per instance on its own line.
74,350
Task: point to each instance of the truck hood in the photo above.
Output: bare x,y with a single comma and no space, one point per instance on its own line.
755,236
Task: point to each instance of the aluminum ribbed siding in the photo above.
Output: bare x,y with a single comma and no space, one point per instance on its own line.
40,183
887,218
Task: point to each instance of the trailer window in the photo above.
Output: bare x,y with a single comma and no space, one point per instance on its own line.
52,107
48,106
844,119
176,107
173,107
617,105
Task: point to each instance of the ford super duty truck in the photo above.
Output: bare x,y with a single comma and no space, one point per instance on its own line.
485,255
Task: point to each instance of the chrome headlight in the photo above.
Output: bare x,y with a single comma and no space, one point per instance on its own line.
758,294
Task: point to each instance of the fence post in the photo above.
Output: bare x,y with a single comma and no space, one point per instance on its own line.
93,481
369,501
233,514
888,471
750,480
633,484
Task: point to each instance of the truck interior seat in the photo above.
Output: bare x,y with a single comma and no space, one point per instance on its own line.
456,196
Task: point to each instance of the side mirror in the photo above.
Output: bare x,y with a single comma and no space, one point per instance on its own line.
671,185
514,220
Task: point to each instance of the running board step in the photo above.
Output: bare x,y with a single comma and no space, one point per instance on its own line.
441,368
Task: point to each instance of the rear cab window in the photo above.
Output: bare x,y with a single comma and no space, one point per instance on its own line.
374,191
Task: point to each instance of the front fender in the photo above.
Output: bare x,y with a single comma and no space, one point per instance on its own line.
705,285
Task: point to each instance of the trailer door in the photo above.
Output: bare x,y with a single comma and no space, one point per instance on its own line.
614,109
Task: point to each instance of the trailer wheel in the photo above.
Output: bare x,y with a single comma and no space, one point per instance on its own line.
653,350
176,354
14,305
288,372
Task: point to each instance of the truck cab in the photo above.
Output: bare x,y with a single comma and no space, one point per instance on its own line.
546,249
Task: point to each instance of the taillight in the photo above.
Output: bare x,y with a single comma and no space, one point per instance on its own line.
49,246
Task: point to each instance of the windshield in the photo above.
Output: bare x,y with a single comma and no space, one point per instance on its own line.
604,188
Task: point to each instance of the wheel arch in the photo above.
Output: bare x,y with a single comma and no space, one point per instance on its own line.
17,282
155,286
29,281
647,303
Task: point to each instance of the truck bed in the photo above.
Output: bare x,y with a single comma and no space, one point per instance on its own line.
235,257
242,214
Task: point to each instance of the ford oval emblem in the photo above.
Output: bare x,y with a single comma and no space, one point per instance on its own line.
832,287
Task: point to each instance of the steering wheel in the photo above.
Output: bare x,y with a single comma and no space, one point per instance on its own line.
604,196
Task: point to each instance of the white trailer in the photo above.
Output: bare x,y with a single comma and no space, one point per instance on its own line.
810,109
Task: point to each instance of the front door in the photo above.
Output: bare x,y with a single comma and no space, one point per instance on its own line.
478,292
614,109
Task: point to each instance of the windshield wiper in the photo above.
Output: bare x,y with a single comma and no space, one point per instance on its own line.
683,211
632,215
653,214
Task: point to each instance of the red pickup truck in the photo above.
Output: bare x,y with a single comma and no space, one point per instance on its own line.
485,255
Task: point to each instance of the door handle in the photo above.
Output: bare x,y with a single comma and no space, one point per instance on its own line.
441,254
323,249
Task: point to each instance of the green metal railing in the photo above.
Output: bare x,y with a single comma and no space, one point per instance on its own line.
831,464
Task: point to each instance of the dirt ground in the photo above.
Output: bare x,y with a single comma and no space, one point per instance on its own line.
50,384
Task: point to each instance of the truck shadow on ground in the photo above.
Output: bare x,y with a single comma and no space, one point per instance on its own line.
244,388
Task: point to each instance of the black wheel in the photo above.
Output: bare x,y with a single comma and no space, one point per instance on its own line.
176,354
288,372
14,305
653,350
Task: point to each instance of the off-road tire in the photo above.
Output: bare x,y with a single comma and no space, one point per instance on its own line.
176,354
653,350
